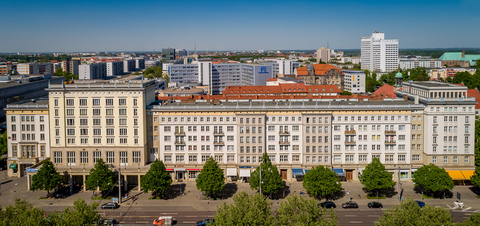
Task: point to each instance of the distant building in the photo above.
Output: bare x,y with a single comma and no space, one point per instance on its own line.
182,53
459,59
71,66
379,54
286,67
93,71
128,66
168,55
151,63
35,69
139,64
323,54
321,74
283,80
414,62
354,81
114,68
443,73
283,89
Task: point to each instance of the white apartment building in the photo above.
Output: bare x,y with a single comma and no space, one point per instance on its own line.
379,54
114,68
410,63
129,66
35,69
28,135
92,71
286,67
323,54
354,81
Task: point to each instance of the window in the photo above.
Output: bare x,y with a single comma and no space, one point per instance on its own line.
123,158
70,102
348,158
110,157
415,158
337,158
58,157
445,159
362,158
71,158
401,158
205,158
122,111
167,158
136,157
434,159
455,159
84,157
96,111
283,158
179,158
466,159
388,158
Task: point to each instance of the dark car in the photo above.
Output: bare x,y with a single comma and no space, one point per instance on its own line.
205,222
350,205
374,205
110,205
109,221
420,203
328,205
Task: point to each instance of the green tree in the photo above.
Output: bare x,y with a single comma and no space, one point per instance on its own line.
477,142
321,182
157,179
300,211
245,210
433,179
47,178
210,180
101,177
475,178
68,76
271,179
153,72
346,93
473,220
3,144
82,213
375,178
22,213
409,213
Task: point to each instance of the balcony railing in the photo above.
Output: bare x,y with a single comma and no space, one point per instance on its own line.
390,141
390,132
180,133
284,133
350,132
218,143
350,142
284,142
180,142
218,133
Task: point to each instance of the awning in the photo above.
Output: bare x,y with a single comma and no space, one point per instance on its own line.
179,169
245,167
456,174
13,166
306,171
297,172
231,172
244,172
168,169
338,171
32,170
468,173
193,169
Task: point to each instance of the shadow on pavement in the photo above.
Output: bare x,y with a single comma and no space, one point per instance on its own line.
175,191
6,182
228,191
446,194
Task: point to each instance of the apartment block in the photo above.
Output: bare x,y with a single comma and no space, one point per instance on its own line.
354,81
129,66
92,71
379,54
35,68
114,68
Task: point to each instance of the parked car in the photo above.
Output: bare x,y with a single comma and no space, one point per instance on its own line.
374,205
328,205
350,205
110,205
420,203
205,222
109,221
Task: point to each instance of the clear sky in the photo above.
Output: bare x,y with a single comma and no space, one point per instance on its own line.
120,25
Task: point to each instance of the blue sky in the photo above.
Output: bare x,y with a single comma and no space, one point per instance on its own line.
119,25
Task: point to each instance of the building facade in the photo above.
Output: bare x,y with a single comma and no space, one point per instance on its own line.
322,74
35,69
410,63
323,55
114,68
379,54
354,81
92,71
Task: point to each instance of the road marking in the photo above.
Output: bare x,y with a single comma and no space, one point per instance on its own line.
449,206
190,216
355,222
467,208
141,222
168,213
476,211
189,222
373,215
350,215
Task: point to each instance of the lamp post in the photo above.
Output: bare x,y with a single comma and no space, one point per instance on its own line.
119,185
260,182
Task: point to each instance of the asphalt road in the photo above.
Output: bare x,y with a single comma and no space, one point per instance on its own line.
145,216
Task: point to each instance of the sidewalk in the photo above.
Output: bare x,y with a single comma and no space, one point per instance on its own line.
190,198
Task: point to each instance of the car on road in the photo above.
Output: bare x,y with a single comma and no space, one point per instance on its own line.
328,205
420,203
110,205
374,205
109,221
205,222
350,205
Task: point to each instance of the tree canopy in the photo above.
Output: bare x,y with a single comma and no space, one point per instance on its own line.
475,178
321,182
409,213
211,179
301,211
153,72
245,210
374,177
157,179
271,179
47,177
433,179
22,213
473,220
101,176
3,144
68,76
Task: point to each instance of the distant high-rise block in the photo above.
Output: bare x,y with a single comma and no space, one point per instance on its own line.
379,54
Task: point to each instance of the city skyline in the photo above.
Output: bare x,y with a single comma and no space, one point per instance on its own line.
218,26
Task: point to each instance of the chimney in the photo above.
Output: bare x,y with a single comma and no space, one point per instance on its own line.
463,53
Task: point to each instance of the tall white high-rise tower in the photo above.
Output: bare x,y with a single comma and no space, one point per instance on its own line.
379,54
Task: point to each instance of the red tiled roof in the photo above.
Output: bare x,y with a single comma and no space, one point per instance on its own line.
476,94
386,90
283,88
320,69
271,79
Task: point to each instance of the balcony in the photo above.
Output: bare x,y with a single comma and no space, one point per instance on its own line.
218,142
180,142
391,132
284,142
350,142
218,133
390,141
284,133
179,133
350,132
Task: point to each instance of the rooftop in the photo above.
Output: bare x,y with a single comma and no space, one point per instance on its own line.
319,69
474,93
29,104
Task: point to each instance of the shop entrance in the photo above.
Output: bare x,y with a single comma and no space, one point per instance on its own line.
284,174
349,175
